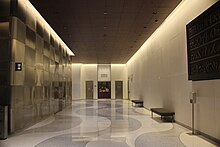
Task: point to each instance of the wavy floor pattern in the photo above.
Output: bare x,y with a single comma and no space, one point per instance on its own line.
104,123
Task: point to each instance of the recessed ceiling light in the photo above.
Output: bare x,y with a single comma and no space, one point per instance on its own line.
105,13
156,20
105,27
154,12
145,27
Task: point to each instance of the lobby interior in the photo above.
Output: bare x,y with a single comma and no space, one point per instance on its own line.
69,81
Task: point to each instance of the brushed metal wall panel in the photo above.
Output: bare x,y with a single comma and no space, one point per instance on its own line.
46,35
4,8
56,78
46,63
29,76
17,77
4,50
39,29
51,77
28,115
39,44
52,66
30,55
39,77
17,116
17,92
52,53
4,29
39,60
57,57
18,51
30,20
43,58
27,95
46,49
46,108
30,38
46,78
56,44
52,41
18,30
19,10
39,93
56,68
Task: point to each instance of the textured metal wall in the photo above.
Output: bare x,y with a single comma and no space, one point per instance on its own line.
43,87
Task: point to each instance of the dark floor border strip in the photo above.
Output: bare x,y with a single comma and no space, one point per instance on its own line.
204,136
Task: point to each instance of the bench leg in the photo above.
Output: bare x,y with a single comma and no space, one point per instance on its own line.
172,118
151,114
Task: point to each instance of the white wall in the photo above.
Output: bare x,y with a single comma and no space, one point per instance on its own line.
159,71
119,73
76,81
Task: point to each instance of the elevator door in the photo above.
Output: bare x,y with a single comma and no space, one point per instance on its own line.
119,89
89,89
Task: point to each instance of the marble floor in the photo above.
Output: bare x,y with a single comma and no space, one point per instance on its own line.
105,123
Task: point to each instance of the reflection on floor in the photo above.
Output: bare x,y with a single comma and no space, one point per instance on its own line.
104,123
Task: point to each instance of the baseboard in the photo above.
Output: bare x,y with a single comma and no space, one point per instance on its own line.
211,139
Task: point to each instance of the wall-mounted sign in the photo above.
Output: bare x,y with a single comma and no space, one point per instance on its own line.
104,72
203,45
18,66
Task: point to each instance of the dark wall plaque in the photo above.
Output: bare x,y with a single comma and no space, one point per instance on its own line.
203,45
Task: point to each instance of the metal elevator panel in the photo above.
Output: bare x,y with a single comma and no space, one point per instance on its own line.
29,92
29,76
46,64
46,35
30,55
39,29
46,49
52,53
30,40
19,10
89,89
18,95
30,20
18,30
18,51
39,44
119,89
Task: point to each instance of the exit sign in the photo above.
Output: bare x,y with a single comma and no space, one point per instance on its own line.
18,66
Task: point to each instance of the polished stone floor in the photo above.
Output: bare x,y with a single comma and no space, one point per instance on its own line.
105,123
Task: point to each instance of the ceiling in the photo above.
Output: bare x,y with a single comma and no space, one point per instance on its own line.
104,31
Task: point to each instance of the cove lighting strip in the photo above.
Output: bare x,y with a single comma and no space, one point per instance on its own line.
31,9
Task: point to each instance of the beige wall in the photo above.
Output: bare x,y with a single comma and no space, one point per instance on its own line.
159,72
76,79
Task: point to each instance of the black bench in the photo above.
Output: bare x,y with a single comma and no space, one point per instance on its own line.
138,102
162,112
